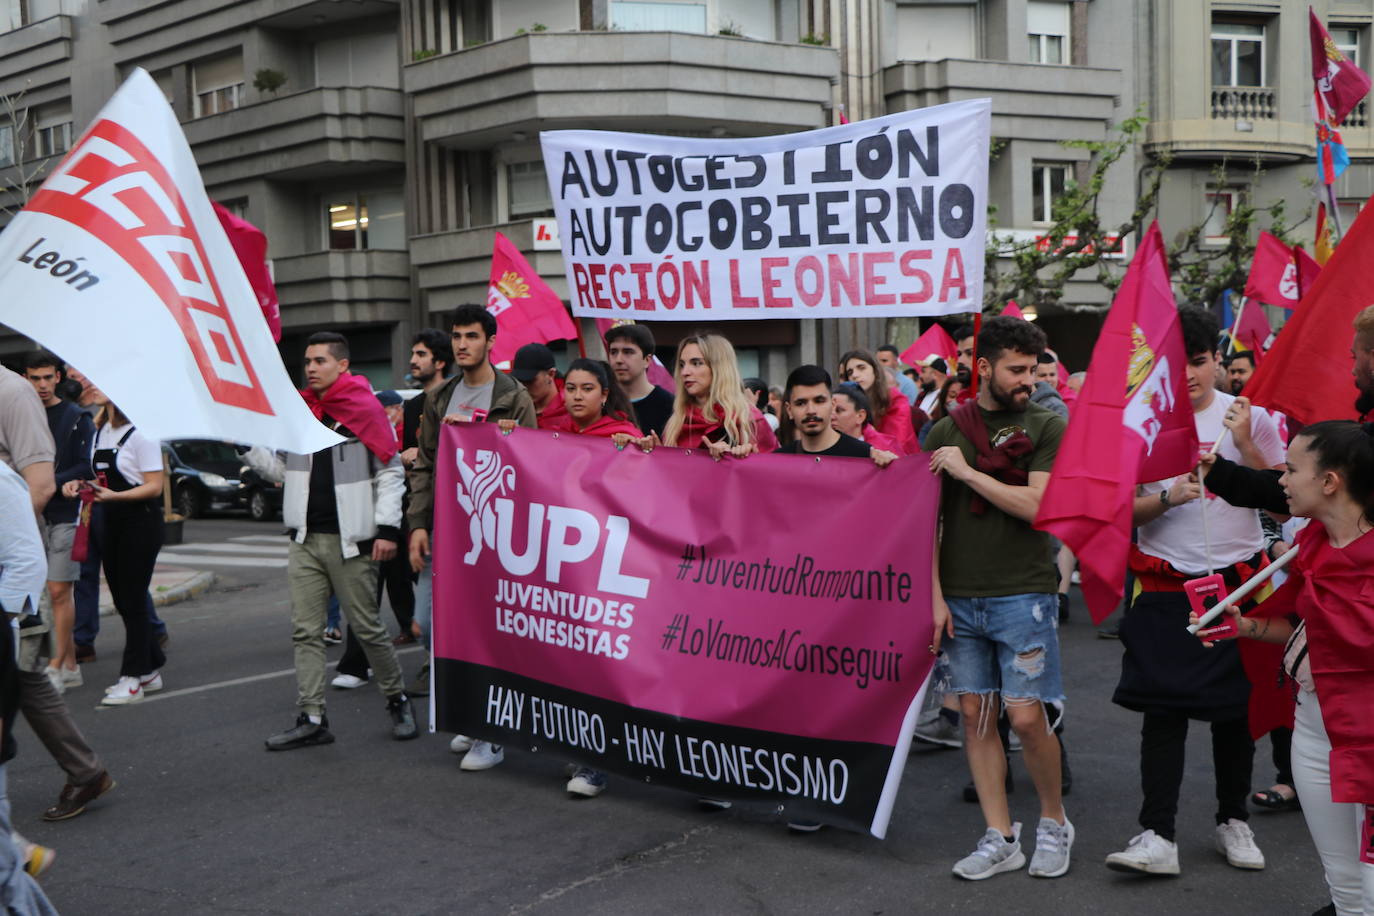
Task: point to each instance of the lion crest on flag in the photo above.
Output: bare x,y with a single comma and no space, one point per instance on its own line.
1149,395
478,487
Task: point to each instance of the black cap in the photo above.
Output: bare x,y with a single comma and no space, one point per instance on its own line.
530,360
389,398
939,365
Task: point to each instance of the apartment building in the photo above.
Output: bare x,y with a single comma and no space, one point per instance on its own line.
379,143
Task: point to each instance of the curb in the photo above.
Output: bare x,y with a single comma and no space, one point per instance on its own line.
177,593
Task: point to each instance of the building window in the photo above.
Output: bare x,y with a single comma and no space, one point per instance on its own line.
52,131
7,157
372,219
637,16
1048,25
1048,180
1349,209
12,15
347,222
1218,204
1237,54
527,189
217,85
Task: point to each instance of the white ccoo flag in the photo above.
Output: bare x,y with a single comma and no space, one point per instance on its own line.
119,265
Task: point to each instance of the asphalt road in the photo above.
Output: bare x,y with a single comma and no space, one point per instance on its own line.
205,821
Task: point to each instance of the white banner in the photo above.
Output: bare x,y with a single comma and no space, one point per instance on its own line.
119,265
876,219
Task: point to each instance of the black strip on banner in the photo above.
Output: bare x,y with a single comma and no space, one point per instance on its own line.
835,782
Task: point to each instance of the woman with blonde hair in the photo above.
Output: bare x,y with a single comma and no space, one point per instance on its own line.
891,415
711,406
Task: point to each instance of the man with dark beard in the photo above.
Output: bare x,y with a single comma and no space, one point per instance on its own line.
995,595
810,407
1239,367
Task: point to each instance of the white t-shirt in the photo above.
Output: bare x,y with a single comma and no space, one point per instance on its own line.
1235,533
136,457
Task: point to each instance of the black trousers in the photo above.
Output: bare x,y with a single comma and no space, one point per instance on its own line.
1163,738
133,537
1281,743
399,582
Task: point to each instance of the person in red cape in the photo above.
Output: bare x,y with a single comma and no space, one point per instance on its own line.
851,417
1324,615
342,509
533,367
891,413
595,406
711,407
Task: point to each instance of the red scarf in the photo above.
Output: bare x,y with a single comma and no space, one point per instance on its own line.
695,429
999,462
603,425
351,403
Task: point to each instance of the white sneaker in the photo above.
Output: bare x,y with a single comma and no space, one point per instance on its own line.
483,756
1149,853
151,683
72,677
347,682
127,691
461,744
1236,842
55,678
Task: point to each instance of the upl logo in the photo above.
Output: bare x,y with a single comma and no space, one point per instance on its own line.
557,536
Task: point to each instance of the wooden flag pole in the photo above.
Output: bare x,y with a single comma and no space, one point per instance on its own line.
1244,591
1235,326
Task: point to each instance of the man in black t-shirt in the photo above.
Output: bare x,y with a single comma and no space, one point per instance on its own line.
630,350
809,405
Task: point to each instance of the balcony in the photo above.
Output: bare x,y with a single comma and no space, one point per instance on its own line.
337,288
1029,101
639,81
1243,103
36,56
318,133
139,29
455,267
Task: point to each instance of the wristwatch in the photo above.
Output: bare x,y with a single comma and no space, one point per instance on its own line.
1164,498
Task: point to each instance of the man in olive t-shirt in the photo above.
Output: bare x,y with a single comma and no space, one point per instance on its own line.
995,599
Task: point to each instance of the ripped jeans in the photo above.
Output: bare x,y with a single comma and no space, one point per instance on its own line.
1007,645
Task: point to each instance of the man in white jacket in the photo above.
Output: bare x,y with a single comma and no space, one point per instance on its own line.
342,507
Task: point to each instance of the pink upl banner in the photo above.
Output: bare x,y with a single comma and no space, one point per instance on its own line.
722,628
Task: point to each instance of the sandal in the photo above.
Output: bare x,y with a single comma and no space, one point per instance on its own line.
1275,801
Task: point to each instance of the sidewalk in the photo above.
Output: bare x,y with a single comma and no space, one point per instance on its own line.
170,585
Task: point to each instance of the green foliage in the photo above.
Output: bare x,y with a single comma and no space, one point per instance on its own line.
268,80
731,30
811,38
423,53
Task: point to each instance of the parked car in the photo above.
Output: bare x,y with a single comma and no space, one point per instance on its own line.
205,476
261,496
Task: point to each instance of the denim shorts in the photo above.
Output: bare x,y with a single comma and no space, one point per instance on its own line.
1007,645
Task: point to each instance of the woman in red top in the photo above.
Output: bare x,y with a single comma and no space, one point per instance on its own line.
711,407
596,406
1325,615
891,413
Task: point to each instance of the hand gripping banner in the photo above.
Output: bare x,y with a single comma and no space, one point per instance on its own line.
876,219
736,630
119,265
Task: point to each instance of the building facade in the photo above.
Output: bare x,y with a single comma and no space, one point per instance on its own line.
380,143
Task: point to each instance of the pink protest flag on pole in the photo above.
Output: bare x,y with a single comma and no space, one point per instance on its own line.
526,309
1308,270
934,342
1273,273
1340,83
1252,330
658,373
250,244
1013,311
1133,423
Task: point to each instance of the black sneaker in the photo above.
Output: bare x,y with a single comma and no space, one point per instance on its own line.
305,734
402,718
1111,632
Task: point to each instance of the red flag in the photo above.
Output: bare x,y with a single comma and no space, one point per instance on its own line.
1307,374
1273,273
934,342
1340,83
526,310
1013,311
1133,423
1252,330
250,244
1308,270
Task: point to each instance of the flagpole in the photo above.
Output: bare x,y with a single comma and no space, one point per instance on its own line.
1333,213
1241,593
1235,325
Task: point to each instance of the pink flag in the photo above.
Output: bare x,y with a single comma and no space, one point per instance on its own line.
526,310
1340,83
1133,423
1252,330
1308,269
934,342
250,244
658,373
1273,273
1013,310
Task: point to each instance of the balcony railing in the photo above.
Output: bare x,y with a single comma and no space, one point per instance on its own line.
1243,103
1358,117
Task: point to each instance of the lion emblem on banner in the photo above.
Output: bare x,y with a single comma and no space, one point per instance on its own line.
1149,392
478,487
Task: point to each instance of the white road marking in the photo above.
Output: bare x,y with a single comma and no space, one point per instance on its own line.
280,548
193,560
261,539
